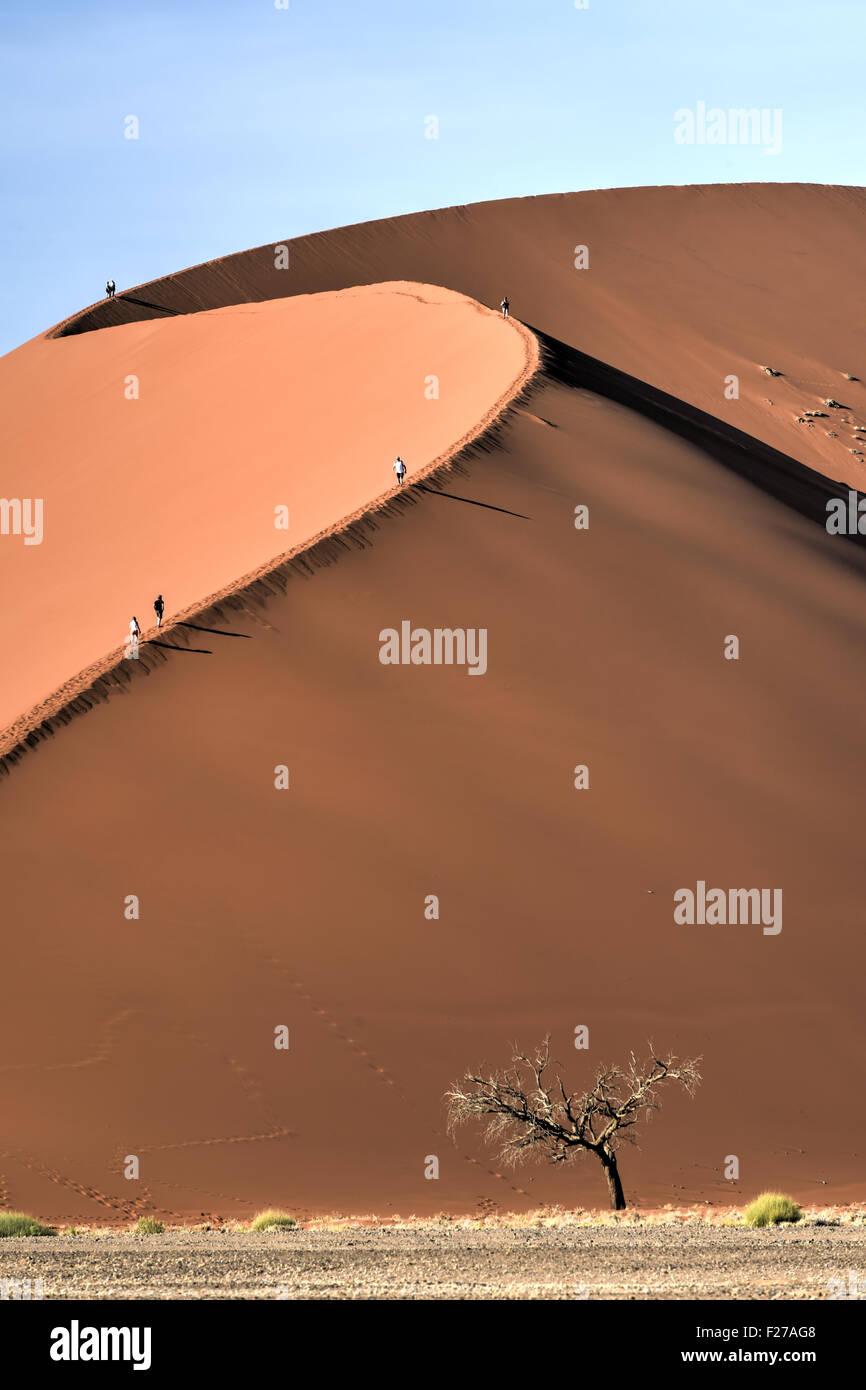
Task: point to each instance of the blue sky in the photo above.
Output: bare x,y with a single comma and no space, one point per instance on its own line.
258,123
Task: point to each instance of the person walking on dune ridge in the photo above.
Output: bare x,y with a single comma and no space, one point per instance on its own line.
159,609
110,288
399,469
504,306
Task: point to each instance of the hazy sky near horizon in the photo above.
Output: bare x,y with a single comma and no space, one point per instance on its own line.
257,123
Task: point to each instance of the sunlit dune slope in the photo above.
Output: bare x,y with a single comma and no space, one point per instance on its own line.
163,451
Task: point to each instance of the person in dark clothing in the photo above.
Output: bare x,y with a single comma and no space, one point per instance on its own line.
110,288
159,609
504,306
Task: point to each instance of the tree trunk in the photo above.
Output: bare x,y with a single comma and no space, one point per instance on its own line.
614,1186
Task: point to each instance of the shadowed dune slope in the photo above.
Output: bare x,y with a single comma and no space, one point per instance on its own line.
305,908
162,451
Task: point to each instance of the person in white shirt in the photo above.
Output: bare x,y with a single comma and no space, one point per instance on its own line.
399,469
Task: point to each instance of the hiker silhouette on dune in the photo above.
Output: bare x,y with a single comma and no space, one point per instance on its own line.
159,609
399,469
504,306
110,288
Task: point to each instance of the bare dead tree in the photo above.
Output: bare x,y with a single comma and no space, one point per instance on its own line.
530,1114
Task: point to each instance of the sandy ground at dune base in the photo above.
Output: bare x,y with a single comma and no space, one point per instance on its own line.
444,1260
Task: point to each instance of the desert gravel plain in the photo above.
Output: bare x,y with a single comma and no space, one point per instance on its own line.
445,1260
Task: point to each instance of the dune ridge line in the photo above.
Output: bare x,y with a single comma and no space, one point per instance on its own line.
112,673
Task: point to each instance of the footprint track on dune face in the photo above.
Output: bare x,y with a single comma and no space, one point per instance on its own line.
330,1018
249,1082
278,1133
101,1053
384,1075
132,1207
491,1172
252,1087
144,1200
390,289
129,1207
205,1192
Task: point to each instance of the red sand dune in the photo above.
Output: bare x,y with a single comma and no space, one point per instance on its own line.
685,286
605,647
301,403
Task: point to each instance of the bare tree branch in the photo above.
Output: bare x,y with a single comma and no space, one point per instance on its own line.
527,1117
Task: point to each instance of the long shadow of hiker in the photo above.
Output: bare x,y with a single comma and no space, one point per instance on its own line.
167,646
217,631
146,304
470,501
